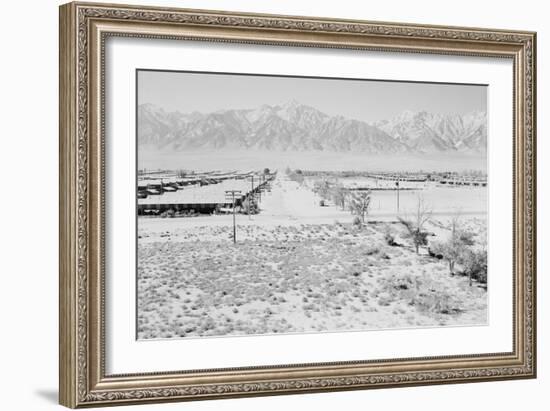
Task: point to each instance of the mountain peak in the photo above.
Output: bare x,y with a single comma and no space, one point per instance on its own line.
294,105
426,132
291,104
297,127
150,107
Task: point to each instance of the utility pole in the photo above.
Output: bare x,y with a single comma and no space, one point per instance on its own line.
231,195
260,185
397,184
251,196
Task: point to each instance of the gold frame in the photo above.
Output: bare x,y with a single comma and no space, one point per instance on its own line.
83,30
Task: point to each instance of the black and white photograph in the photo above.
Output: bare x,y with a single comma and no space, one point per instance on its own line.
277,204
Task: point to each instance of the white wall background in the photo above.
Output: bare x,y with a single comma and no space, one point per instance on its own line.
28,205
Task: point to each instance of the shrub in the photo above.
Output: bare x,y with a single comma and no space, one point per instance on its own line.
357,222
389,237
406,282
372,250
385,299
475,265
424,294
406,285
439,302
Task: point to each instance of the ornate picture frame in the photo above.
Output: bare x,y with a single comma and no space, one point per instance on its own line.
84,29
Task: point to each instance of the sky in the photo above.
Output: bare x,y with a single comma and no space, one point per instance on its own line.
367,100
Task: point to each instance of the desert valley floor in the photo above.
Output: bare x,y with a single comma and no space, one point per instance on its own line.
298,267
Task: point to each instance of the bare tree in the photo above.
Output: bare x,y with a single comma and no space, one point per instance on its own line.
321,188
339,195
359,204
415,224
295,175
250,206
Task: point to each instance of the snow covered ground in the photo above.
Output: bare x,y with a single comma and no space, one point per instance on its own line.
301,267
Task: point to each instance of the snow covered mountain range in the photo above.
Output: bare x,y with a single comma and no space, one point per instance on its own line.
298,127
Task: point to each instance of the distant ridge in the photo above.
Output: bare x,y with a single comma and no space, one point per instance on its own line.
297,127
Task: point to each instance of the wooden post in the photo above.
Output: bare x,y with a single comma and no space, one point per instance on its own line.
397,184
231,194
251,195
234,222
260,184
